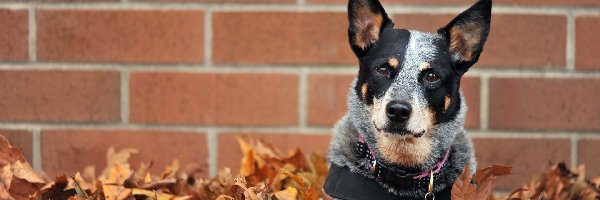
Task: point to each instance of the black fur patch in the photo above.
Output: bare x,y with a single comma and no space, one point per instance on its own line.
392,43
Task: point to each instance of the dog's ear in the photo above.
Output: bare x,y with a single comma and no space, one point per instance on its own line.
467,33
367,19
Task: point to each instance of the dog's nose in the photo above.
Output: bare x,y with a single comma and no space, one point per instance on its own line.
398,111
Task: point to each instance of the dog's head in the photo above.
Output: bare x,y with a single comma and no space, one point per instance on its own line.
407,90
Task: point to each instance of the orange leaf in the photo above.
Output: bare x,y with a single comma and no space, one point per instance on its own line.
494,170
306,191
289,193
462,188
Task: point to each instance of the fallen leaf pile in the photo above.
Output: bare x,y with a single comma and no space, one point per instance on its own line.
559,183
266,173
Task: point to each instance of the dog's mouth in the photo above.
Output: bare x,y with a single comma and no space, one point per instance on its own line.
399,132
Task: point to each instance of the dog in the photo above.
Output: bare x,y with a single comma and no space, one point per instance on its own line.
405,120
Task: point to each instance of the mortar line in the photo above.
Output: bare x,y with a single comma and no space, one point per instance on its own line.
181,128
208,35
37,149
484,104
578,13
521,135
286,69
574,151
302,98
125,96
212,141
32,45
433,9
320,130
301,2
570,51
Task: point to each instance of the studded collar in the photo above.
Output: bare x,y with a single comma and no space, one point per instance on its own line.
395,176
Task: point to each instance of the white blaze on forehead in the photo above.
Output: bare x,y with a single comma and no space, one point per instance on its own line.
420,50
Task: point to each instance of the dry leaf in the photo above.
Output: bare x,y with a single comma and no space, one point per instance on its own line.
462,188
113,185
484,178
151,194
306,192
58,189
289,193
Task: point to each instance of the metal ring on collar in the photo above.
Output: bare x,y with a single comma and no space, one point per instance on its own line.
429,194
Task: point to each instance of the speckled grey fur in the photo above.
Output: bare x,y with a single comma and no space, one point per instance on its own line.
445,135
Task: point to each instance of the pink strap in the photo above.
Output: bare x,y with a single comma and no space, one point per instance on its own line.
437,167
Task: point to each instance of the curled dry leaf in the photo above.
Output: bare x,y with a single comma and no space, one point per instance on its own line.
484,183
17,177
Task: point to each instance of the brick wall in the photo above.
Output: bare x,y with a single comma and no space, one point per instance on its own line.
181,78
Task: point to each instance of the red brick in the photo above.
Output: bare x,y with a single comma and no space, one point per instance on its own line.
587,43
588,149
423,2
526,41
467,3
23,140
69,151
74,1
120,36
527,156
14,35
214,99
281,38
544,104
551,2
470,88
230,154
222,1
327,95
515,41
422,22
59,96
327,99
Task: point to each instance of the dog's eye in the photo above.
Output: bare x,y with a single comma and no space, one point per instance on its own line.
431,77
383,71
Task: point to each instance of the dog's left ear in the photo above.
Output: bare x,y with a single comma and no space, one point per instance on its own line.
467,33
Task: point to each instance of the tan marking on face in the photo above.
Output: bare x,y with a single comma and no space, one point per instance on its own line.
405,150
446,103
393,62
463,39
424,65
377,112
363,89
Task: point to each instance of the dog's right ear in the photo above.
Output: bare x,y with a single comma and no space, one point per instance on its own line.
367,19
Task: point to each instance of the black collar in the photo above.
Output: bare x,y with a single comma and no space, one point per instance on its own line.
343,184
396,177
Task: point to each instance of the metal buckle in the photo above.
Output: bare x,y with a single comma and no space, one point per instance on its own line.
430,188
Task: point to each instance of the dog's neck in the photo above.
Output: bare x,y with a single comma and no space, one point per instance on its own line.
356,123
393,173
